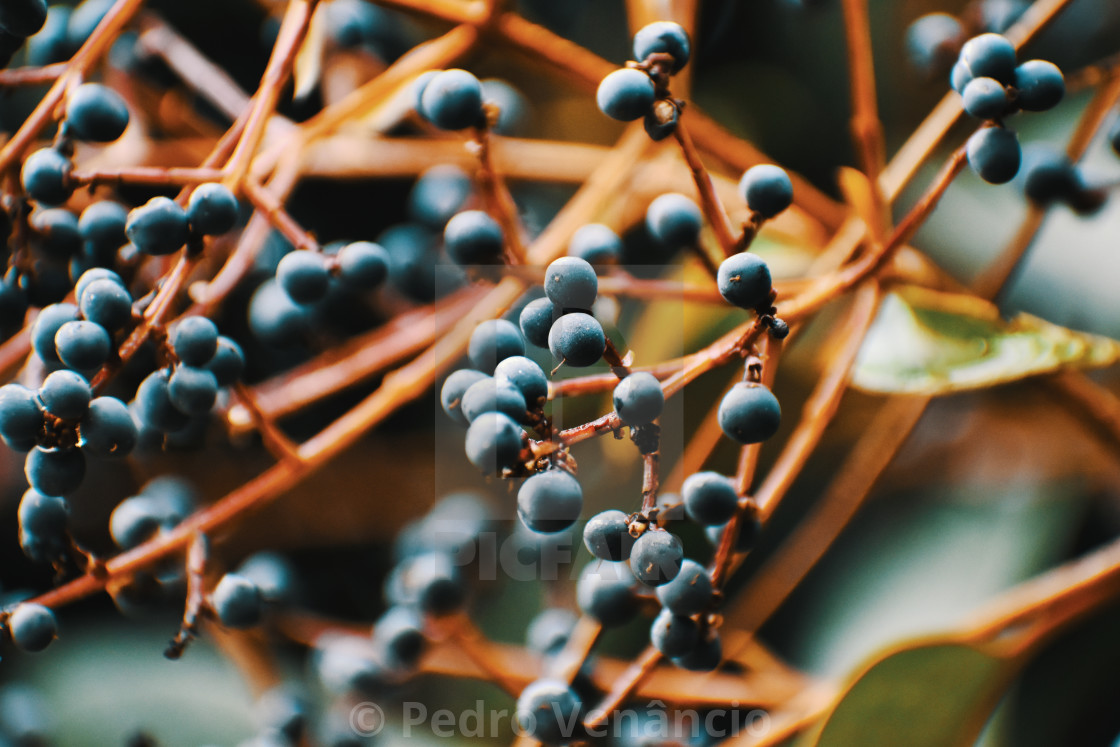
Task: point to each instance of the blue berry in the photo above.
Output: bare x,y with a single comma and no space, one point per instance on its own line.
749,413
84,19
548,710
65,394
96,113
674,635
454,387
107,429
363,265
605,591
433,584
399,634
1040,85
577,339
49,44
638,399
345,664
58,472
58,235
526,376
106,302
494,442
43,514
994,154
493,341
418,87
998,15
549,630
766,189
513,109
237,602
32,626
744,280
13,306
192,390
709,498
46,326
536,320
452,100
625,95
82,345
550,502
21,420
273,574
663,36
990,55
931,41
705,657
438,194
656,557
596,243
607,535
195,340
1049,176
154,407
23,17
674,220
212,209
474,238
304,276
690,592
959,77
45,176
985,98
158,227
274,318
227,363
92,274
570,283
134,521
489,395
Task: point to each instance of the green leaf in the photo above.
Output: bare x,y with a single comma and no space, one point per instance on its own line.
935,693
930,342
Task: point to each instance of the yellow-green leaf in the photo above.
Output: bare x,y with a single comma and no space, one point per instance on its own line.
930,342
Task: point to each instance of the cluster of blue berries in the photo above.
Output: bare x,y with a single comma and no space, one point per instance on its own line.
641,90
63,29
306,275
162,226
934,40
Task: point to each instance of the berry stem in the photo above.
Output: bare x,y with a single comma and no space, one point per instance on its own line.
271,208
198,555
709,200
32,76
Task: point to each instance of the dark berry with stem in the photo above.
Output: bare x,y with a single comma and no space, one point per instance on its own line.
65,394
931,42
399,634
195,340
690,592
107,430
45,176
571,283
665,37
82,345
1040,84
994,154
452,100
550,502
638,399
985,98
656,557
990,55
58,234
102,228
472,237
158,227
105,302
766,189
749,413
526,376
607,535
709,498
32,627
707,655
96,113
236,601
212,209
438,194
625,95
577,339
744,280
154,405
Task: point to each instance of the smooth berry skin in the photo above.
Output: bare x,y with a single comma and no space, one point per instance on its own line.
58,235
536,320
709,498
192,390
959,77
399,634
212,209
930,40
656,557
58,473
43,515
666,37
994,154
154,404
158,227
607,535
454,388
237,602
32,627
45,176
526,376
303,276
492,342
990,55
433,584
494,442
549,630
363,266
489,395
571,283
596,243
452,100
418,88
766,189
227,363
690,592
472,237
23,17
96,113
674,635
706,657
21,420
749,413
550,502
83,346
1040,84
106,303
674,220
107,429
744,280
65,394
134,521
92,274
638,399
985,98
195,340
46,326
1049,176
548,711
605,591
577,339
438,194
625,95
